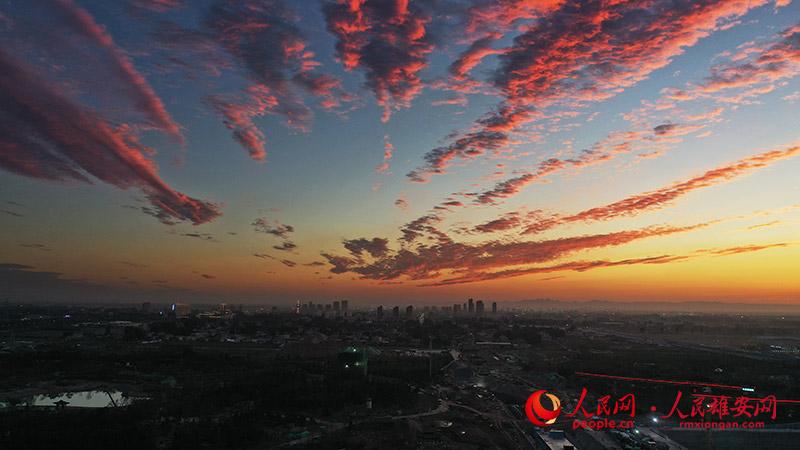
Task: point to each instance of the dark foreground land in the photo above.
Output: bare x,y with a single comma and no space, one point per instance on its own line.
97,377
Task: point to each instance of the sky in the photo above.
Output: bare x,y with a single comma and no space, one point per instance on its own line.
388,151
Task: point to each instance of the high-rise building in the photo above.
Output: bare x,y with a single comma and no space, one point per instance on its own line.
479,307
456,308
409,311
471,306
344,307
494,307
396,312
181,309
336,308
380,312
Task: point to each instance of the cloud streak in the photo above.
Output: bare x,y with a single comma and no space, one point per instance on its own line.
135,85
583,266
447,256
47,136
662,197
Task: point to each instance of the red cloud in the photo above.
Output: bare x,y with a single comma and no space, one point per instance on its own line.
744,249
583,266
507,222
430,261
239,118
473,56
584,52
661,197
136,87
577,266
388,40
603,151
467,146
47,136
502,15
388,151
262,38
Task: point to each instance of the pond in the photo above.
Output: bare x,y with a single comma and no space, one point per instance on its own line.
81,399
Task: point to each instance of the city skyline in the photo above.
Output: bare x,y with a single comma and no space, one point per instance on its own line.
393,152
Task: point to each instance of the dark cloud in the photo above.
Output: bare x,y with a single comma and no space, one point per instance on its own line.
41,247
25,283
376,247
133,264
275,228
288,263
775,62
286,246
201,236
401,203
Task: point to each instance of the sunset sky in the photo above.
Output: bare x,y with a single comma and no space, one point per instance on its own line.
268,151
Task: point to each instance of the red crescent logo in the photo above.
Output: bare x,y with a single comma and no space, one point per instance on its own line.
537,413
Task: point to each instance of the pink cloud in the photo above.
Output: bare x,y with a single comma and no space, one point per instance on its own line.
584,52
47,136
136,87
662,197
388,40
388,151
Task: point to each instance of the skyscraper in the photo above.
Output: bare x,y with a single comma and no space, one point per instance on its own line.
494,307
409,311
396,312
471,306
379,312
344,307
479,307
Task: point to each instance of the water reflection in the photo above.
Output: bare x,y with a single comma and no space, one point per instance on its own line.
81,399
